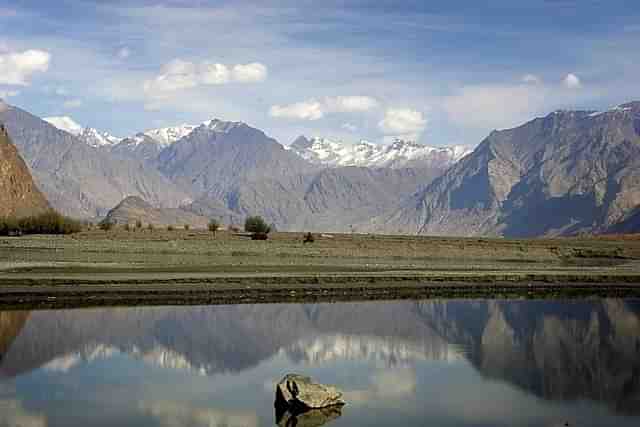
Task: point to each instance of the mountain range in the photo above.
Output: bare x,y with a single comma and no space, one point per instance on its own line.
566,173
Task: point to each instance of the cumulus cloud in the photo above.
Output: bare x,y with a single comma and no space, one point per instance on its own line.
571,81
72,103
349,126
16,68
249,73
493,106
173,414
180,75
531,79
123,53
316,109
403,122
306,110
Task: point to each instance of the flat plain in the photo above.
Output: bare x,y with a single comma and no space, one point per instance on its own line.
187,266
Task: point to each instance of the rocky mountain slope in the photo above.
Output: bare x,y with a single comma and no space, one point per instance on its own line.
80,180
399,154
566,173
133,208
19,195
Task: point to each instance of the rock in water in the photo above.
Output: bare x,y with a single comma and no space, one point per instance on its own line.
299,393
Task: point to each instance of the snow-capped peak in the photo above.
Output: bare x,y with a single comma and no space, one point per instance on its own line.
220,126
66,124
398,154
91,136
169,135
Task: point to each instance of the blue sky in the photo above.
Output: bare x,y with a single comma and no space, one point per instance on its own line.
441,72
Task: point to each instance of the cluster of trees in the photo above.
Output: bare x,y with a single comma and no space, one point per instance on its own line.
46,223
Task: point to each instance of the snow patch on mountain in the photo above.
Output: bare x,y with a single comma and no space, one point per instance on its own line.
91,136
399,154
169,135
66,124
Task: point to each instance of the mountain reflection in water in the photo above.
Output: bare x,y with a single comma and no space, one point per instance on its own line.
571,354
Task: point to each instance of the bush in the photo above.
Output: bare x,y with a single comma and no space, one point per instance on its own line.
214,225
259,236
187,227
106,225
256,224
170,228
47,223
139,224
308,238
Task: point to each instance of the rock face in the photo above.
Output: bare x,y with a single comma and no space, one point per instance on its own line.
133,208
80,180
19,195
301,393
566,173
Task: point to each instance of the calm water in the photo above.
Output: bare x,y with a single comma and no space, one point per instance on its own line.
436,363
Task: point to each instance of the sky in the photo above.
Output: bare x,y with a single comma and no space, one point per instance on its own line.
438,72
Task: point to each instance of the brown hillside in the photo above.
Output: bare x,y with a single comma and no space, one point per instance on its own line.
19,195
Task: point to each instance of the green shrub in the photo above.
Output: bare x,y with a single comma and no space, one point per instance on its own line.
106,225
256,224
47,223
214,226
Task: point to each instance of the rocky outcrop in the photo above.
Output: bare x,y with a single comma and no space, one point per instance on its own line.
566,173
298,394
133,209
19,195
310,418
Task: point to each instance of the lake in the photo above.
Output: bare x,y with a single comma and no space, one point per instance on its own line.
403,363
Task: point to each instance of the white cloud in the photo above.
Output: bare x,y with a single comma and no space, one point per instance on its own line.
350,104
8,93
306,110
180,75
124,53
316,109
349,126
16,68
403,122
250,73
72,103
494,106
215,74
571,81
174,414
531,79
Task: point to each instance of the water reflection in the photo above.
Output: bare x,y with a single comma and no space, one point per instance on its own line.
209,366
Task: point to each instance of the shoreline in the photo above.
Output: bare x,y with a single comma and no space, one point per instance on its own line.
255,290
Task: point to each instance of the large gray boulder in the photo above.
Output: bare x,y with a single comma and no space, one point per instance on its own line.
299,393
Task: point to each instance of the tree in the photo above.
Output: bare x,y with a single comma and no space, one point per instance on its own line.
214,225
256,224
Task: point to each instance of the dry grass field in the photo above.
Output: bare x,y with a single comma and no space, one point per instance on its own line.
121,267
